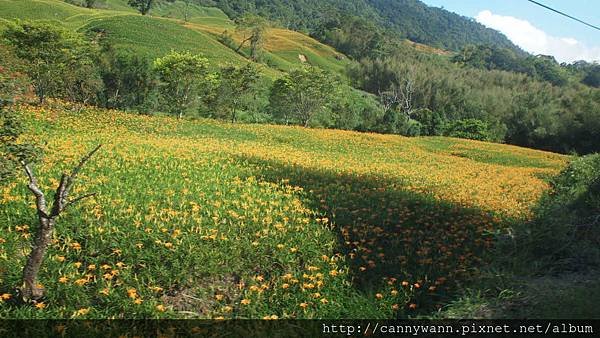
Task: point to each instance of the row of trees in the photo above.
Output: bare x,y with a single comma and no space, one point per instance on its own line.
65,65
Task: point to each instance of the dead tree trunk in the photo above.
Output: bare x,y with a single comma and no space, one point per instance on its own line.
47,219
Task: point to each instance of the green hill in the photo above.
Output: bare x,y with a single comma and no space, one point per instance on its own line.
409,19
165,30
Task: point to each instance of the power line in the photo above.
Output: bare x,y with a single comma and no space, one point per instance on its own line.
567,15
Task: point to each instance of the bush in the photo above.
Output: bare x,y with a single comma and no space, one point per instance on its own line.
129,81
432,122
473,129
565,232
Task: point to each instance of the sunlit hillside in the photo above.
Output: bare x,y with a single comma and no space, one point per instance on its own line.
165,30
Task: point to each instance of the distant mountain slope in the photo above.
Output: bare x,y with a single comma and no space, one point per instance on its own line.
435,26
164,30
411,19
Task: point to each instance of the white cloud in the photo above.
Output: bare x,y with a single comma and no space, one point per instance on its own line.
536,41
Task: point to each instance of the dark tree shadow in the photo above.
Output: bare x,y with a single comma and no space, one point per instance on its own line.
391,235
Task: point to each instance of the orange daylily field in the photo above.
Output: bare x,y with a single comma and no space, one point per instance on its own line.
206,219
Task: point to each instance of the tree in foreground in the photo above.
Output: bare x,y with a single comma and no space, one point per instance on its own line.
300,95
142,6
47,215
233,90
182,76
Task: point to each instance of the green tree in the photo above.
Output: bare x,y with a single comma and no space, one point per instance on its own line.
592,77
90,3
129,80
254,29
468,128
182,78
303,93
59,63
233,90
432,123
143,6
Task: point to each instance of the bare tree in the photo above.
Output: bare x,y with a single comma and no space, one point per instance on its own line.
406,90
47,219
389,98
399,96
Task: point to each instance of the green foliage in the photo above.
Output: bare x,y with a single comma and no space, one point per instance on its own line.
13,148
59,63
473,129
565,233
353,36
403,18
541,67
87,3
591,76
142,6
233,90
300,95
517,108
354,110
90,3
129,81
254,29
183,77
227,39
12,82
432,123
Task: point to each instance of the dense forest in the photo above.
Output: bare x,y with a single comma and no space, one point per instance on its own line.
409,19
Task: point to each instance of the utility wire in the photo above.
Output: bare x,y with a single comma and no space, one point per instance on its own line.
567,15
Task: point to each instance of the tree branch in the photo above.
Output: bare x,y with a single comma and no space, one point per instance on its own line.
40,199
75,200
82,162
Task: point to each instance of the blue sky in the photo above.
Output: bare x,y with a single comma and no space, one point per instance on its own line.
537,29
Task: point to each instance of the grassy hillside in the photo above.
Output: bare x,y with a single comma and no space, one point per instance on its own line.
164,30
208,219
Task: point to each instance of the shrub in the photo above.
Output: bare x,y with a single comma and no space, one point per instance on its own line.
432,122
473,129
565,232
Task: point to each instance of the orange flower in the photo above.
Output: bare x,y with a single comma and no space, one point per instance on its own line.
132,293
